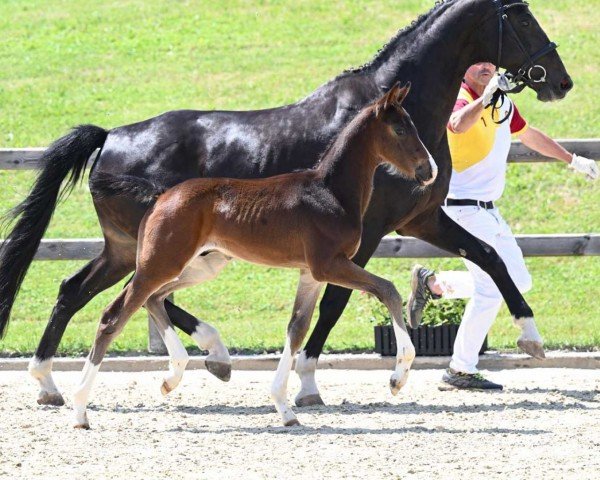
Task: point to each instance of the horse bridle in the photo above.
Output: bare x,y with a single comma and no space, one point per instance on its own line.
523,77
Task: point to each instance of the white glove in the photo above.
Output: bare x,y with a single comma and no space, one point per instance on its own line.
490,89
586,166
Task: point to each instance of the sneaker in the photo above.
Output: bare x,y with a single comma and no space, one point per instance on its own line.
419,295
453,380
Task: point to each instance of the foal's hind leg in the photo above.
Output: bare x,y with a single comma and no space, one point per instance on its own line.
206,336
112,323
304,305
345,273
75,292
178,356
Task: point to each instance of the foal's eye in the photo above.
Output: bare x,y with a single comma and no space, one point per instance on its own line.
400,131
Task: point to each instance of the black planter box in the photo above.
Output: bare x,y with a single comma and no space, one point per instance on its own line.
427,340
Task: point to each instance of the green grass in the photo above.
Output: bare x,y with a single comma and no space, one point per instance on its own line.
66,63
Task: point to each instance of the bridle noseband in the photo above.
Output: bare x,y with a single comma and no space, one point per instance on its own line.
523,77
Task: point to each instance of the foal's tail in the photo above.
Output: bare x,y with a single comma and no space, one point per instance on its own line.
66,156
141,190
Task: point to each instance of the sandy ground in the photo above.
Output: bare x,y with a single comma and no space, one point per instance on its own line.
546,424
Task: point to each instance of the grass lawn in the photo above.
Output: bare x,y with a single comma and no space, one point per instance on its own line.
117,62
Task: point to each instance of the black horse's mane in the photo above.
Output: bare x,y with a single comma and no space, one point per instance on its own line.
381,53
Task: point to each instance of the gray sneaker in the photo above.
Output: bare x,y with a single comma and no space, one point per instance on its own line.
453,380
419,295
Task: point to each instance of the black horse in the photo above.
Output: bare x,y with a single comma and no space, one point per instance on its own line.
433,53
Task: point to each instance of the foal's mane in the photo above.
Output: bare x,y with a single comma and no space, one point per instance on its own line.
338,143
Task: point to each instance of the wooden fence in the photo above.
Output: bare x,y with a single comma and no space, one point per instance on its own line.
390,246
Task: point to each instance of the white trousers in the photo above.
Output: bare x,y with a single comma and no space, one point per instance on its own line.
485,298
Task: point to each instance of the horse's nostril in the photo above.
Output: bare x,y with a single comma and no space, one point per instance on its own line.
566,84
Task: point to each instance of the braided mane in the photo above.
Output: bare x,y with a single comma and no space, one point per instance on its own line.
381,53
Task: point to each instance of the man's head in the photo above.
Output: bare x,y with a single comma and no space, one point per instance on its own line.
479,75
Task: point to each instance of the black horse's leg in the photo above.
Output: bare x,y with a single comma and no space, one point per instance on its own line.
74,293
331,308
440,230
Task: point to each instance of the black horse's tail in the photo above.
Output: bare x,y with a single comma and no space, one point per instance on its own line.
67,155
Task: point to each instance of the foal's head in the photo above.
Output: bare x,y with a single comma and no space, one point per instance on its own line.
396,139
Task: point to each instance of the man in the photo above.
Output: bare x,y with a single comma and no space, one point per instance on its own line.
479,148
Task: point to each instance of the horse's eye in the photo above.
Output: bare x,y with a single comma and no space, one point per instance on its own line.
525,23
400,130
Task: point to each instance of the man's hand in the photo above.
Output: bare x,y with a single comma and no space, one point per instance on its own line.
586,166
490,89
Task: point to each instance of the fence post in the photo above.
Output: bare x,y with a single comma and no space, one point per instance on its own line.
155,341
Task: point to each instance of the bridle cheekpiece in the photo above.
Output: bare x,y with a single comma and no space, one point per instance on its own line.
525,75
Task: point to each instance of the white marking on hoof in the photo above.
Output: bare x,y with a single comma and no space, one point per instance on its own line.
309,392
218,361
49,398
41,370
81,420
292,423
165,388
308,400
80,397
532,348
397,382
530,340
404,359
279,386
221,370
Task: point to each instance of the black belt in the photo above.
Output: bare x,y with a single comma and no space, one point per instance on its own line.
462,202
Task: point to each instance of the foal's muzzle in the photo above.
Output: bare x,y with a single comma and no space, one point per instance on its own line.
426,173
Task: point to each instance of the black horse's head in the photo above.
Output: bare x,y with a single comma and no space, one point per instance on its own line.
524,50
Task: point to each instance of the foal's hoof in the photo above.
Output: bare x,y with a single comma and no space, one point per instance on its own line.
532,348
309,400
292,423
221,370
82,426
396,383
165,388
48,398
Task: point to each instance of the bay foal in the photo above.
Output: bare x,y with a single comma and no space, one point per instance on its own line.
309,220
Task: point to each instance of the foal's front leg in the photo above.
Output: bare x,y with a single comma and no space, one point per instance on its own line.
345,273
304,305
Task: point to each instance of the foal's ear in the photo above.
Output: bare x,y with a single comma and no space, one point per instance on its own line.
394,97
402,93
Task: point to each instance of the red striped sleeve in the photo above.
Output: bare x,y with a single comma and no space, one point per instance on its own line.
517,123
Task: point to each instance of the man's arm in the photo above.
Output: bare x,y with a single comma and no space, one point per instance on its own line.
466,117
463,119
542,143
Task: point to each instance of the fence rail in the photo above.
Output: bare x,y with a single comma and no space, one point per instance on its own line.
390,246
552,245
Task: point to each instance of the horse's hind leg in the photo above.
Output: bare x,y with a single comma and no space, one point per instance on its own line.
178,355
75,292
345,273
304,306
202,269
113,320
